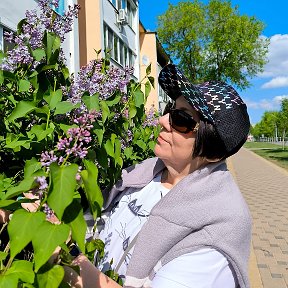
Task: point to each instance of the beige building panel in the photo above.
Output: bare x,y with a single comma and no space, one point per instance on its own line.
148,54
89,29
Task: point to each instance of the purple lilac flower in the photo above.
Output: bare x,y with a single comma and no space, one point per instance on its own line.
78,176
48,211
93,80
78,137
151,118
41,180
126,142
47,158
32,33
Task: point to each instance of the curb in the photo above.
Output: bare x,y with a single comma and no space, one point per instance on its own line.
254,274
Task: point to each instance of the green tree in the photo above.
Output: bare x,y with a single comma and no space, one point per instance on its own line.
268,126
284,120
213,41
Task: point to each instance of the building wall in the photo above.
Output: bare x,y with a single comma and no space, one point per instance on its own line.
148,55
95,18
12,11
90,19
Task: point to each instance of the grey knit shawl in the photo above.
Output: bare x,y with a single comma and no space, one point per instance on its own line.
204,209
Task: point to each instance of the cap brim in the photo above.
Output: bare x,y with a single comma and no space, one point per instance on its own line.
175,84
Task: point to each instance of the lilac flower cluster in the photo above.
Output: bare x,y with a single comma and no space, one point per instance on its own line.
53,22
126,142
39,191
33,31
92,79
151,118
75,144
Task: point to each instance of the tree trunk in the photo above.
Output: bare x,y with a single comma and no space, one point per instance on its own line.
283,139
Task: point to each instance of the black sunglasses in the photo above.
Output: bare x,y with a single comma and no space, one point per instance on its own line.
180,120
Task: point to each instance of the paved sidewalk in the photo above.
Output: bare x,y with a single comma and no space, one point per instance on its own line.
265,188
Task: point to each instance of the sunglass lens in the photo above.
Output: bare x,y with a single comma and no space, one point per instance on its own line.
167,108
181,121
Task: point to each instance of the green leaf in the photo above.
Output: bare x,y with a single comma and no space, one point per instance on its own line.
73,216
16,144
63,184
25,185
51,278
10,204
53,98
52,43
65,127
1,76
105,110
128,152
38,54
148,69
115,99
99,133
46,240
65,72
118,159
147,89
109,147
41,132
22,109
152,81
10,281
23,269
92,190
3,255
64,107
132,111
22,228
91,102
31,166
138,97
141,144
24,85
43,110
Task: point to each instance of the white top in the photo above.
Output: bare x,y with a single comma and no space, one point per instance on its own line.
202,268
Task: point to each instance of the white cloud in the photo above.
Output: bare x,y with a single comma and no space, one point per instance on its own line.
277,66
276,82
265,104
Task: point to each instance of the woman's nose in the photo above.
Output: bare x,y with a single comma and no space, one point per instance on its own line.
164,122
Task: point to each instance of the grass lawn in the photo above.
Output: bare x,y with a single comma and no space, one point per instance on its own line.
271,152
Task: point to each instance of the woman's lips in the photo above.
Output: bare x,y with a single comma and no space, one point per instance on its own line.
161,139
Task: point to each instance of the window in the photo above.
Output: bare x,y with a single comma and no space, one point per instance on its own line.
110,42
117,49
130,14
4,44
129,7
61,7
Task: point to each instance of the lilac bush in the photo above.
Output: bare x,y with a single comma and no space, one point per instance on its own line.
63,139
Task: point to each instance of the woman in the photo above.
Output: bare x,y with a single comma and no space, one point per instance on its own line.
179,220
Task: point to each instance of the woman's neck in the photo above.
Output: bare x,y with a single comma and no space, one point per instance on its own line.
172,175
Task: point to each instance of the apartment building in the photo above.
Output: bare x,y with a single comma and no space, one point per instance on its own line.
114,26
151,51
12,11
111,26
107,25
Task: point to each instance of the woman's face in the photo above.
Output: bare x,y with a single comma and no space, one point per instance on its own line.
173,147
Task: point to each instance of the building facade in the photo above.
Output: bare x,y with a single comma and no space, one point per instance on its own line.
109,26
113,27
11,12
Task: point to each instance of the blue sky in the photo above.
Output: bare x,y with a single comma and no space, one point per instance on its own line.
270,87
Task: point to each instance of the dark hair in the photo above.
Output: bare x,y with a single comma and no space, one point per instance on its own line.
208,143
